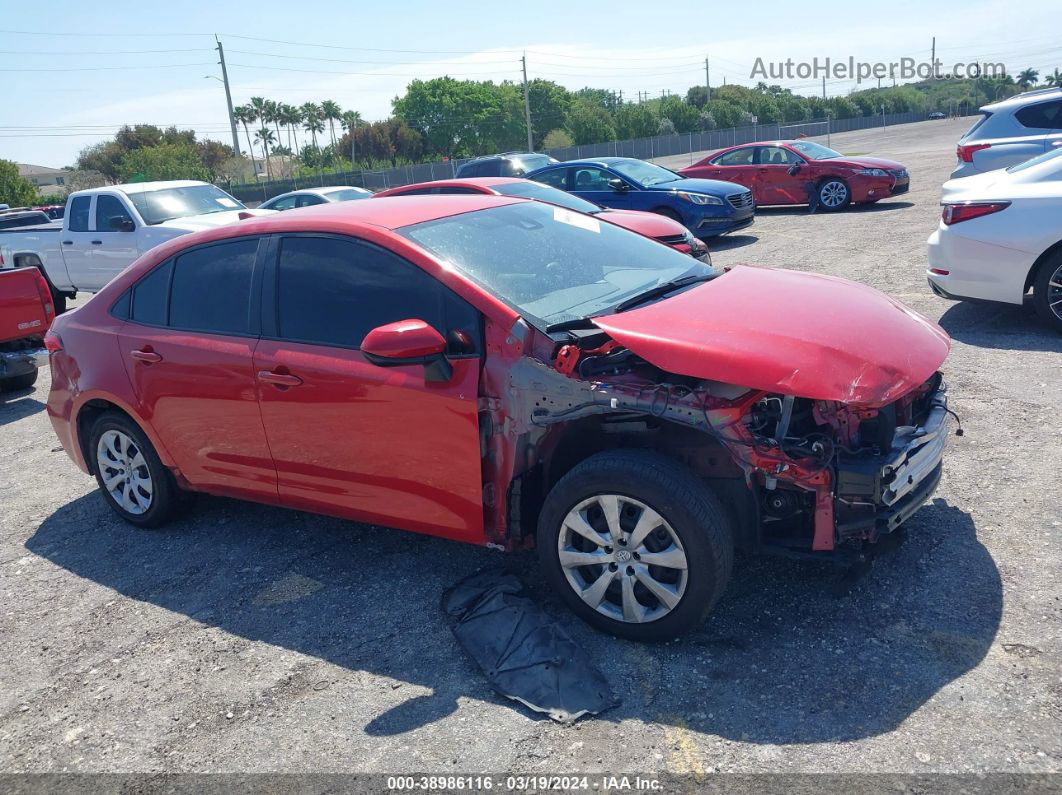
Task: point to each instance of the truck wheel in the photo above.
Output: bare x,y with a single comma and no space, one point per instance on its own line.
635,545
834,194
24,381
1047,291
132,478
58,301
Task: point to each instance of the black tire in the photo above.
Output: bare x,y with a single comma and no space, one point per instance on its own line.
687,504
827,188
1044,294
165,497
669,213
13,382
58,301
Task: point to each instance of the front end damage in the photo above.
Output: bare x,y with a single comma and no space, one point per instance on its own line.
802,477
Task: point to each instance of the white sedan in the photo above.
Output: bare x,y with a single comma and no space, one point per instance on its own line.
311,196
1000,235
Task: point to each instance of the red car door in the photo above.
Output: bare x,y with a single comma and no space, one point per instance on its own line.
188,347
773,184
736,165
385,445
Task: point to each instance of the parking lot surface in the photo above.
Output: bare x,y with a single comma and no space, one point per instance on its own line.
249,638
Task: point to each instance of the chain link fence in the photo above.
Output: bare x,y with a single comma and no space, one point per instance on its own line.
642,148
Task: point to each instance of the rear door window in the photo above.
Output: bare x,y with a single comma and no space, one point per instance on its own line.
212,288
151,297
1044,116
79,213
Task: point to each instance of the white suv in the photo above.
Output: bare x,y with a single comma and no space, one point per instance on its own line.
1011,131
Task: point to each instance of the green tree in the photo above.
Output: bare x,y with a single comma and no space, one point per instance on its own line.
1054,79
351,119
165,161
266,138
602,97
213,155
331,113
697,96
15,190
727,114
311,120
683,116
557,139
590,123
549,103
104,157
634,120
246,116
1027,77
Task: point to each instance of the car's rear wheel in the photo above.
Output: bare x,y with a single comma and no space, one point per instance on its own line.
635,545
13,382
834,194
132,478
1047,291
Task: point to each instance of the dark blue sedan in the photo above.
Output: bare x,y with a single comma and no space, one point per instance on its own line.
707,207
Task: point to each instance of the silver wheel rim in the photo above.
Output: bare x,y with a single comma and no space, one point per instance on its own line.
1054,293
833,194
124,471
622,558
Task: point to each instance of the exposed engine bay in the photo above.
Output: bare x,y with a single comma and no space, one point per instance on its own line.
803,476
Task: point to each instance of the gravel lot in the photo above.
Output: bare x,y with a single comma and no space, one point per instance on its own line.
247,638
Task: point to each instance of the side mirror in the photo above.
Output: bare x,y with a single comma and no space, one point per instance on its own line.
408,342
618,185
119,223
793,169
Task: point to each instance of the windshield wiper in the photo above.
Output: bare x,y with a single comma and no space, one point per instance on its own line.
663,289
567,325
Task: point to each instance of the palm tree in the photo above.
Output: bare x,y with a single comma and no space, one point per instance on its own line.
1027,77
311,121
265,136
290,116
245,115
331,112
1054,79
273,115
351,119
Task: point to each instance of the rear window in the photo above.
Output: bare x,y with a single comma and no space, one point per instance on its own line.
151,297
347,194
28,219
977,124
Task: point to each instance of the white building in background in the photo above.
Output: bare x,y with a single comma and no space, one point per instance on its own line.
47,180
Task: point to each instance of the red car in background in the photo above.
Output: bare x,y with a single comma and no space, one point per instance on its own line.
785,172
658,227
507,372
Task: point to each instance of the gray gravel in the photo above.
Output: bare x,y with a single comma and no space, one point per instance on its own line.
247,638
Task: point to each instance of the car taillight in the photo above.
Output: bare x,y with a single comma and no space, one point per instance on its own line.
53,342
965,152
45,292
956,213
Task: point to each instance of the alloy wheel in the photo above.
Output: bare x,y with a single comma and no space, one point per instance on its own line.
124,471
833,194
622,558
1054,293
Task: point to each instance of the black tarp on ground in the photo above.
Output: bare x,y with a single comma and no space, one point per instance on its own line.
524,654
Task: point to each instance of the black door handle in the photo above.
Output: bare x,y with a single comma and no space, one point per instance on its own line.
97,242
68,242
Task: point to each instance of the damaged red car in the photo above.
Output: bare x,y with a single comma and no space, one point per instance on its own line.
506,372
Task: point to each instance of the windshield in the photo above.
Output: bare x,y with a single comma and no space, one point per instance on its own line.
645,173
814,151
347,194
544,193
1035,161
550,264
156,206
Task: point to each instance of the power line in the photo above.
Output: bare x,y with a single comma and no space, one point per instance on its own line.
114,68
357,74
342,60
100,52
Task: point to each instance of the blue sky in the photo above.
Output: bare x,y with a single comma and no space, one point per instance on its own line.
149,62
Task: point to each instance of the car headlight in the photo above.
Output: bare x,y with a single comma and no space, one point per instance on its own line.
698,198
872,172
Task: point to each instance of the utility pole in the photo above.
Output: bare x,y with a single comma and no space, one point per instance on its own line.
707,81
527,105
933,56
228,101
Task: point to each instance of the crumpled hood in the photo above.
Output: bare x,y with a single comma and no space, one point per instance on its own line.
803,334
193,223
713,187
858,161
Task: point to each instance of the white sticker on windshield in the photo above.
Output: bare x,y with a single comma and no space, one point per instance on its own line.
573,218
225,201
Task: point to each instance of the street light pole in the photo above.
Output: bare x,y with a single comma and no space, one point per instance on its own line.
527,105
228,98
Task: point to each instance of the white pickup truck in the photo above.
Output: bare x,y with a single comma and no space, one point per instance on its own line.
105,229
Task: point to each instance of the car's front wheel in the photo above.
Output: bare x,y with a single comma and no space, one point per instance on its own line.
834,194
1047,291
132,478
635,544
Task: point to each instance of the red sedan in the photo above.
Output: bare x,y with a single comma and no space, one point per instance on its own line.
659,227
506,372
787,172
